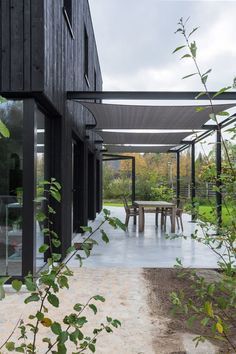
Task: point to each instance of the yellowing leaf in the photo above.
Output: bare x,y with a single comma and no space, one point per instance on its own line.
219,327
208,308
46,322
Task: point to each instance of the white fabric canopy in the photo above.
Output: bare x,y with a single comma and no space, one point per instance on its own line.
125,117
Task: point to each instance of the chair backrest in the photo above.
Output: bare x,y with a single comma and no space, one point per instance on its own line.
125,203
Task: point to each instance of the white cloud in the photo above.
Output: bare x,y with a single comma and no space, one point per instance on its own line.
136,38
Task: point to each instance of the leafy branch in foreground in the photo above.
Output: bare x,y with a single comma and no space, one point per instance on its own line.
4,131
45,289
212,304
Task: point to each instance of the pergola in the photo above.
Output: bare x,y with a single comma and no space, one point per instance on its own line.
159,129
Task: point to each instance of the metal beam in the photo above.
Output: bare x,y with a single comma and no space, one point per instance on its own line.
145,95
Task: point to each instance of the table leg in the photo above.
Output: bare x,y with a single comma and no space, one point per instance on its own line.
141,219
173,216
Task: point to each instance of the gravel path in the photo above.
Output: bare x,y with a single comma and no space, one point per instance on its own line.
126,291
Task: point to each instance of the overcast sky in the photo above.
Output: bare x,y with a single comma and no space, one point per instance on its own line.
135,40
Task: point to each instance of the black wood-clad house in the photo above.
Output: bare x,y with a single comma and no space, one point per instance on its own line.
47,48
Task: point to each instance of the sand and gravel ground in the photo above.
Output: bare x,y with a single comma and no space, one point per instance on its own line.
137,297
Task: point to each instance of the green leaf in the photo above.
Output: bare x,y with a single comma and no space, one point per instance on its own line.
120,224
57,184
29,283
185,77
207,72
53,300
76,335
186,56
20,350
10,346
194,30
104,236
31,298
193,49
56,257
178,48
200,109
70,249
4,130
2,99
92,347
221,91
99,298
106,212
212,116
39,316
205,321
43,248
56,195
40,216
204,79
86,248
61,349
223,113
200,94
51,210
16,284
63,282
3,280
93,308
56,243
56,328
86,229
78,307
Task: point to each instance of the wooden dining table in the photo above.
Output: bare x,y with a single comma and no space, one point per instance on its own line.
145,205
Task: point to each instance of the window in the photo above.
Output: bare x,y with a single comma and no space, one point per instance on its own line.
67,9
11,190
86,56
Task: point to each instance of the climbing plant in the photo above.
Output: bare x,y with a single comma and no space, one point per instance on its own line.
45,289
213,303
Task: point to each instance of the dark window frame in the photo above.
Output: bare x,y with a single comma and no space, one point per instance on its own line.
67,11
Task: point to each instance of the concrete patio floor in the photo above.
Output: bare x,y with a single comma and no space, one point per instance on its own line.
148,249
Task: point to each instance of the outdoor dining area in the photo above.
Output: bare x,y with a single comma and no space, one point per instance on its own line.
162,208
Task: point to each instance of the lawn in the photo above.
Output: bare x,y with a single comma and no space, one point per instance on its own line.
208,213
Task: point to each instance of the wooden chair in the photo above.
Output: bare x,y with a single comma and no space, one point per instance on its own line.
178,216
130,210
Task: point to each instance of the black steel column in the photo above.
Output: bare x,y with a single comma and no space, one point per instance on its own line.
133,185
218,177
178,178
193,181
29,188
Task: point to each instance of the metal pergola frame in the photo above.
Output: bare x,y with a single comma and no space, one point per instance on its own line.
173,95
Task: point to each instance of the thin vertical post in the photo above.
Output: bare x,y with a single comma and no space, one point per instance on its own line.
218,178
133,185
29,188
193,181
178,178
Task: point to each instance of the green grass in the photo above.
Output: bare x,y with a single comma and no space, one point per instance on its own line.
112,203
208,213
